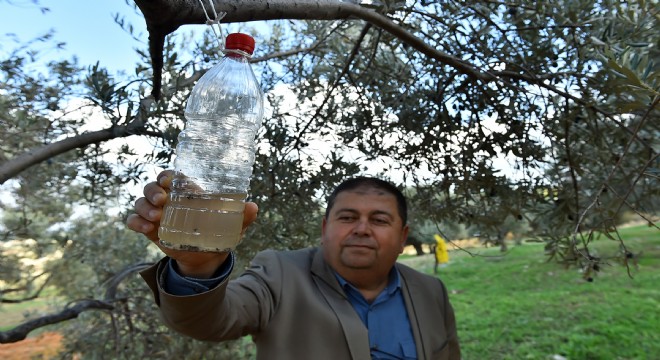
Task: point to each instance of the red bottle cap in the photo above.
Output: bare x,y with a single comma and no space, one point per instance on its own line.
240,41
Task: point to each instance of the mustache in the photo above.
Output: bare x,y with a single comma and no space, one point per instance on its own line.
365,242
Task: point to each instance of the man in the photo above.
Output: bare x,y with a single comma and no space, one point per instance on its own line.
347,299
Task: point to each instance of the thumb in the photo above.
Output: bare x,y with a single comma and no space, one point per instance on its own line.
249,214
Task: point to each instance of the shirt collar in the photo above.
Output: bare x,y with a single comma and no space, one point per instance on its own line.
393,283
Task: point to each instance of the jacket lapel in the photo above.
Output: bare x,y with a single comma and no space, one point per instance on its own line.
355,332
418,322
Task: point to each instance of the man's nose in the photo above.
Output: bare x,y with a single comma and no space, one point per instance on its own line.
362,227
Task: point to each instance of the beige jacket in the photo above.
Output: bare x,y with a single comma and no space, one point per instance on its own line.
293,306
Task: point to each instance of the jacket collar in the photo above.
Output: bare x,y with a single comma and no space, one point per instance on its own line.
355,332
325,273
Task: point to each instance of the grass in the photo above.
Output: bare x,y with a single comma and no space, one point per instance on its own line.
14,314
520,306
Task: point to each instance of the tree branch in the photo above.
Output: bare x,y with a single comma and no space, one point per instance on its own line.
20,332
165,16
344,71
32,157
27,298
113,282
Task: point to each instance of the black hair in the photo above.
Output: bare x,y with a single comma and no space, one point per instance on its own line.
374,183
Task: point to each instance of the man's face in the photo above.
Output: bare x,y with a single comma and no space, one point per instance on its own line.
363,231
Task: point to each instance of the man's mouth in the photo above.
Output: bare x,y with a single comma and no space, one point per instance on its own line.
358,244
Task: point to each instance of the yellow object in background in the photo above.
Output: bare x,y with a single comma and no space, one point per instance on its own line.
441,254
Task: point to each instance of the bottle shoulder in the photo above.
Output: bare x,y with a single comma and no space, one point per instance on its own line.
229,87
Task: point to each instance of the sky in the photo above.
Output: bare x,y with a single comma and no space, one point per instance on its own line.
86,26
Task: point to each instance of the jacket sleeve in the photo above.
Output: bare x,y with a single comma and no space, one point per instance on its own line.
230,310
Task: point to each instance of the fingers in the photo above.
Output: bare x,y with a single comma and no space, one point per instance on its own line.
164,179
149,209
146,219
145,209
249,214
154,194
139,224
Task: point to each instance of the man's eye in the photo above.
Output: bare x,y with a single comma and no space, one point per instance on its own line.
381,221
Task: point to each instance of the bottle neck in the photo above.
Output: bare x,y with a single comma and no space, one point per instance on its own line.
236,53
236,57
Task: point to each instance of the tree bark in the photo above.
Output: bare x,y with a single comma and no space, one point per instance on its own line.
165,16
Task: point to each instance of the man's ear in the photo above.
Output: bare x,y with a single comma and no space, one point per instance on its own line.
323,224
404,237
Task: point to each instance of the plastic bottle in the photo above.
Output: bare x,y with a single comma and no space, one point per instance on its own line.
215,155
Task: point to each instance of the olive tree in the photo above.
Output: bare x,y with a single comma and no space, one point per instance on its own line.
493,112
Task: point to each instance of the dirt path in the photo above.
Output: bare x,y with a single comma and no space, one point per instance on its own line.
43,346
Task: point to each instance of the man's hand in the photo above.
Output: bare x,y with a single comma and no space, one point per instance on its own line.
146,220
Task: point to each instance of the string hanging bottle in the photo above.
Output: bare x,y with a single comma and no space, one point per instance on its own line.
215,155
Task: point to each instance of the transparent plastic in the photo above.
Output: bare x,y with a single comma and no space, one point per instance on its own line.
214,158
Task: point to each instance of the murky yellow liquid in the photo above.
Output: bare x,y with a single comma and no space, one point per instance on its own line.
197,222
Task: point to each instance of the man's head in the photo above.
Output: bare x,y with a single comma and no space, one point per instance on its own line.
370,182
364,229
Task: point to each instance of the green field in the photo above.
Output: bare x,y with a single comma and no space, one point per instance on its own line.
520,306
